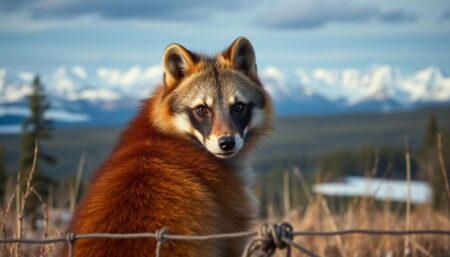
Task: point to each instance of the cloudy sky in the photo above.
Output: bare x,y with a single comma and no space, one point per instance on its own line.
41,35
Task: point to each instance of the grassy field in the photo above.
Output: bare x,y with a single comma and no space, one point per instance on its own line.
316,213
293,139
297,137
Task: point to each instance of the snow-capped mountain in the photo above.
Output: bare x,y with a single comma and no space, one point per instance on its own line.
75,84
378,88
379,82
110,96
106,96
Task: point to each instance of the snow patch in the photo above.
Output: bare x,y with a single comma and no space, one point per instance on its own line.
79,71
274,80
380,189
26,76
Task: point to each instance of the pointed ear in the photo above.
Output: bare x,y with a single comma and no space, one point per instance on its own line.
177,62
242,56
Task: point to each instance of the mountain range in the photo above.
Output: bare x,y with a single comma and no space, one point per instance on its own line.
109,96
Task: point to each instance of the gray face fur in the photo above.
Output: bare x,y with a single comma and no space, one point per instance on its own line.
215,104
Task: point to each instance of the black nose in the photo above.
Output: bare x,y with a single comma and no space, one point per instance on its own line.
226,143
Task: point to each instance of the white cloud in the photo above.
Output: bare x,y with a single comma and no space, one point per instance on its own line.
24,22
133,9
308,14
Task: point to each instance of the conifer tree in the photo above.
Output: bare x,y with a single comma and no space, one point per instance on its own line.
35,129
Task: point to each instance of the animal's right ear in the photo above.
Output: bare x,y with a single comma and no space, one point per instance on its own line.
177,63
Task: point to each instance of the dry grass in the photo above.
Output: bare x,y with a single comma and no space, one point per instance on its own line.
315,215
365,213
361,214
20,224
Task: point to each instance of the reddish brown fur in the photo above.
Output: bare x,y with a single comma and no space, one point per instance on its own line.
156,178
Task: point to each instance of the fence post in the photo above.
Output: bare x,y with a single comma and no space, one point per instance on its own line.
286,193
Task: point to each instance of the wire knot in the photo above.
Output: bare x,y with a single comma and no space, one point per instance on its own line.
71,241
70,238
271,236
277,233
159,234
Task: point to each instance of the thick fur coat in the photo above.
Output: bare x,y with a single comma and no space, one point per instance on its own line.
162,174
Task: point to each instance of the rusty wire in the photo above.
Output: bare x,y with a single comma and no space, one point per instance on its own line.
265,242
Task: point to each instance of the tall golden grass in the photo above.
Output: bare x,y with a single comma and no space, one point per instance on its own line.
315,214
367,213
363,214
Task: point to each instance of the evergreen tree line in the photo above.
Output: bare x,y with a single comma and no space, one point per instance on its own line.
36,128
383,162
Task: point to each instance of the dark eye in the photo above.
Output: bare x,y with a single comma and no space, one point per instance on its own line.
239,107
201,110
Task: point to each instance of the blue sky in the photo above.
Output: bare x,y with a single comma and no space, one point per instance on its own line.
41,35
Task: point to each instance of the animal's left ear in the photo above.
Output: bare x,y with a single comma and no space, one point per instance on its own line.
241,55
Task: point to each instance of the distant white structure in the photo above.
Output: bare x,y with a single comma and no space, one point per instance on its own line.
380,189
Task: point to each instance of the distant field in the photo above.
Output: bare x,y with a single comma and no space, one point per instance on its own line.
293,138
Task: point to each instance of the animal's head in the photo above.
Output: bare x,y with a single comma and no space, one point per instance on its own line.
219,101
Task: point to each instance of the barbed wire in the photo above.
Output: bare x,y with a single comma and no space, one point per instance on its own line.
264,243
